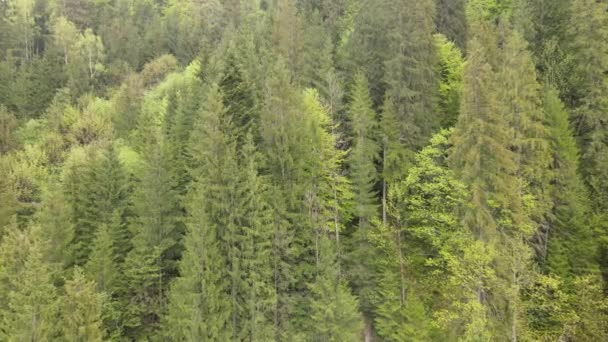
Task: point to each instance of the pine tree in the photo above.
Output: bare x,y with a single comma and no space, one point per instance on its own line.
112,199
239,98
364,151
395,157
14,249
81,306
8,195
96,188
281,131
80,187
8,123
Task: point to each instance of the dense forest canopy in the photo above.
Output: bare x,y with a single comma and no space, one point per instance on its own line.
304,170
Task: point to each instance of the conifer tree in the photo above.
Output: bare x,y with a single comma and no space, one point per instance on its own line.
80,187
395,157
81,310
101,266
239,98
30,312
151,263
334,312
54,219
364,154
485,162
520,104
201,306
451,21
568,244
451,65
364,151
590,87
97,190
14,250
410,69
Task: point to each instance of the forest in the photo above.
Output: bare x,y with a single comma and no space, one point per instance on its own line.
304,170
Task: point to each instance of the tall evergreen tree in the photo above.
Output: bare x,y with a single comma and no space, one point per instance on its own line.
451,65
485,162
451,21
568,244
57,230
239,98
520,103
228,213
151,263
588,88
81,310
334,312
410,70
30,312
362,161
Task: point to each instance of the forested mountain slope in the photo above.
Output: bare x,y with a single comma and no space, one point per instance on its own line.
303,170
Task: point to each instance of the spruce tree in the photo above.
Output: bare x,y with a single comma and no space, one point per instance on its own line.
30,312
54,219
451,21
362,161
101,266
483,159
568,244
589,86
520,104
81,310
151,263
410,69
334,312
203,288
451,65
239,98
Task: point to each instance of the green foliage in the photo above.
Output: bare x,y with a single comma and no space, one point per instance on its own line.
81,310
261,170
30,309
451,66
333,309
571,246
